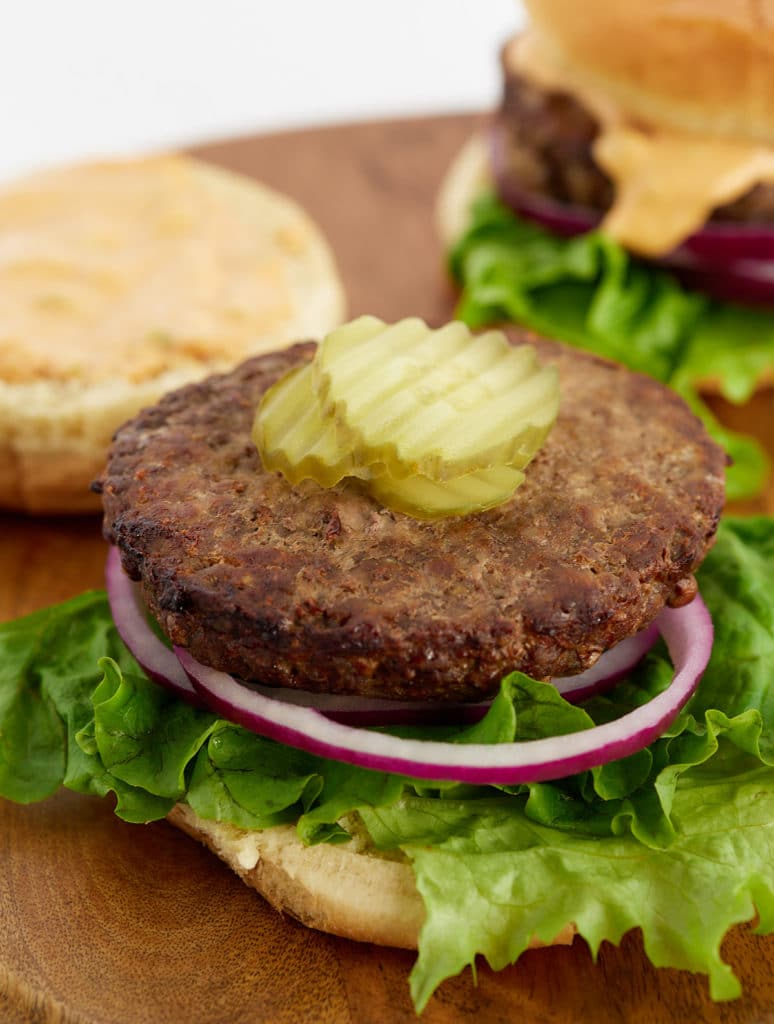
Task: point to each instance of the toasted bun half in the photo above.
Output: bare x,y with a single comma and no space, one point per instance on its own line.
699,66
347,889
468,176
120,281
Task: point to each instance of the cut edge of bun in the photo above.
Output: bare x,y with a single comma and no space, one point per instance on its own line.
466,177
54,438
344,889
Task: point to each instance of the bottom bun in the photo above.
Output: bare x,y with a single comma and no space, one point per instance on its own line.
348,890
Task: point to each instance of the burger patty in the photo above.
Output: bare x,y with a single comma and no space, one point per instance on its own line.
548,138
324,589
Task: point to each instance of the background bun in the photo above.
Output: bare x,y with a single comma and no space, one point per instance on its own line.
345,889
467,177
700,66
120,281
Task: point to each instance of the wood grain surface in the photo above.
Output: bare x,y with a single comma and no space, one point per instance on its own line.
106,922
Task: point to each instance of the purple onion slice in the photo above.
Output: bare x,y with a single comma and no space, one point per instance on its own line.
157,660
688,634
162,665
611,667
374,711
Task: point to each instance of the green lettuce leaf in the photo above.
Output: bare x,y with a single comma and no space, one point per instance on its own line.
676,839
48,671
491,878
588,292
249,781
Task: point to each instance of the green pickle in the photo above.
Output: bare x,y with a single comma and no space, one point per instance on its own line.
423,498
441,403
295,439
435,422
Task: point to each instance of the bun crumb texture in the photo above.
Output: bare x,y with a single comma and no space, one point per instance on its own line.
704,67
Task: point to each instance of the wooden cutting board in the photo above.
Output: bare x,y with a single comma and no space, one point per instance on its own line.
101,921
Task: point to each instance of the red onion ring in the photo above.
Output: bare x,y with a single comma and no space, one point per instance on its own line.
746,281
158,661
688,635
730,260
610,668
162,665
375,711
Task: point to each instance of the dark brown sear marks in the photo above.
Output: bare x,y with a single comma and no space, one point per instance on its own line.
326,590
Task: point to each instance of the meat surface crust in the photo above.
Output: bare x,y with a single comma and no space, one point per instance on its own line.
326,590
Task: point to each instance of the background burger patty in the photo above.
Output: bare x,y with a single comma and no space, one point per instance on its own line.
326,590
548,139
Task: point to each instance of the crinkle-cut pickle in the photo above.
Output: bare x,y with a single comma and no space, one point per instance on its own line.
440,403
298,441
295,439
423,498
436,423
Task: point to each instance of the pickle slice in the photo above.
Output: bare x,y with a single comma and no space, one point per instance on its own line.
294,437
439,403
435,422
423,498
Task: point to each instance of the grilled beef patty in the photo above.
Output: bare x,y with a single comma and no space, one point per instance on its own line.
326,590
547,147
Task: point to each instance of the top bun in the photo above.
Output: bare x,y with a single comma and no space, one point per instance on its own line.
697,66
121,281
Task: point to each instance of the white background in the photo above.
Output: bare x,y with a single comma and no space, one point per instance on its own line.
91,78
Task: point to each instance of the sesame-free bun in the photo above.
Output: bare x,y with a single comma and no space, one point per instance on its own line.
699,66
120,281
348,889
334,888
467,177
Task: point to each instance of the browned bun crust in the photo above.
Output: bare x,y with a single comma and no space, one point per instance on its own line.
467,176
346,890
712,385
699,66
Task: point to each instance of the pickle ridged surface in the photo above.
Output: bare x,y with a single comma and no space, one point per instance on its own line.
412,395
423,498
295,438
440,403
